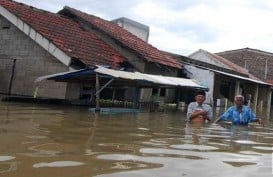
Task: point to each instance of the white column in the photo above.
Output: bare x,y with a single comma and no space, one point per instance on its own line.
269,95
98,94
256,98
237,88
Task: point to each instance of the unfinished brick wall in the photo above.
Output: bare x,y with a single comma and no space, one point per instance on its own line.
32,61
254,61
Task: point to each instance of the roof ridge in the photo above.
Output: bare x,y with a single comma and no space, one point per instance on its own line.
230,64
246,49
126,38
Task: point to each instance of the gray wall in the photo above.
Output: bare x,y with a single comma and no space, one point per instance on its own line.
31,62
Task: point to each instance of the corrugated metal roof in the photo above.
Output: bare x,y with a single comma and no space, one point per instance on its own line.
150,80
241,77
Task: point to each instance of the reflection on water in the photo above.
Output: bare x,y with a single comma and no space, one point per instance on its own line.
70,141
57,164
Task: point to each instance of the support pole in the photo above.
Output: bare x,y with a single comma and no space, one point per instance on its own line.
114,94
226,103
136,97
178,94
97,93
269,97
12,76
237,88
256,98
35,93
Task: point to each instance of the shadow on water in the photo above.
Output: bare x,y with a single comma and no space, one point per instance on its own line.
71,141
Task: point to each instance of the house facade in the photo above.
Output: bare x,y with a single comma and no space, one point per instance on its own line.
22,61
226,79
257,62
34,42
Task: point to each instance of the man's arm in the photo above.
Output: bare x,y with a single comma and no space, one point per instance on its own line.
224,116
217,120
198,113
209,114
253,118
191,113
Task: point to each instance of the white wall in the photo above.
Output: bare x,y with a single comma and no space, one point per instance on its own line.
138,29
206,77
203,56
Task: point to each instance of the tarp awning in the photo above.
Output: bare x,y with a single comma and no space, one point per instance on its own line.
122,78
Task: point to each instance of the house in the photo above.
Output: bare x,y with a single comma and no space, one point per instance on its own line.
257,62
226,79
35,42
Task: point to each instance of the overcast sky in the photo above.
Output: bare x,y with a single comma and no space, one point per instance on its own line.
184,26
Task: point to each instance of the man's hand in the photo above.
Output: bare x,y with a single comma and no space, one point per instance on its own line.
202,112
260,122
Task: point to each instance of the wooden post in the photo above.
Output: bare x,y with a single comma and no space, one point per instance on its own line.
269,96
98,94
256,98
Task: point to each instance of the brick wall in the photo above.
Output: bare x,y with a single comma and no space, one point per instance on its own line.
32,61
254,61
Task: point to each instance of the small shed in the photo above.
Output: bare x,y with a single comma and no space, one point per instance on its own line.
101,77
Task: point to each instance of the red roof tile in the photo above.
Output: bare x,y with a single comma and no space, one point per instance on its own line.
150,53
269,81
66,34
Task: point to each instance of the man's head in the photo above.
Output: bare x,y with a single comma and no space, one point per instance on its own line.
200,96
239,100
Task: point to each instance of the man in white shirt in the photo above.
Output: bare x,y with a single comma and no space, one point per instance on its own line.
198,111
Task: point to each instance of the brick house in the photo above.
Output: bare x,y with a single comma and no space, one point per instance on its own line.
257,62
34,42
225,79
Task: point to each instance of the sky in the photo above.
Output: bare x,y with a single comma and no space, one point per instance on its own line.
185,26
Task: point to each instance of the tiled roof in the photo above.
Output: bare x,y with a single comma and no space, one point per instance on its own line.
269,81
246,49
66,34
229,64
127,39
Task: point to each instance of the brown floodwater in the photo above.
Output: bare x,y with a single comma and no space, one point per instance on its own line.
59,141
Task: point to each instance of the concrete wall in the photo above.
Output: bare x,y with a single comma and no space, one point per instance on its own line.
31,62
206,77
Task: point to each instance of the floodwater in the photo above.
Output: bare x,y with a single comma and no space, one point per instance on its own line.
55,141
